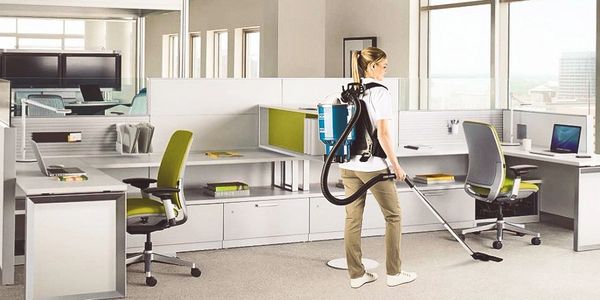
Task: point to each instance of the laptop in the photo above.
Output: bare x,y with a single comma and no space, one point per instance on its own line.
54,170
91,92
565,140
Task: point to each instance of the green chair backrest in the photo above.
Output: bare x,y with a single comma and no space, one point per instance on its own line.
173,163
487,168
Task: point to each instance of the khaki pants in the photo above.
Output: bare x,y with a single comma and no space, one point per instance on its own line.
386,195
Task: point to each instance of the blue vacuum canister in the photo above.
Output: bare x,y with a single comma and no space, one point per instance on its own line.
333,119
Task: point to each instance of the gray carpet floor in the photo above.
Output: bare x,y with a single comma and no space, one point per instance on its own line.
297,271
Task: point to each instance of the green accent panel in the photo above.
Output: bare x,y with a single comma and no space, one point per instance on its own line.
286,129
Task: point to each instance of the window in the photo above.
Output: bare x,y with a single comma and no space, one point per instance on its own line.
458,56
170,55
220,54
42,34
533,54
552,64
251,54
196,54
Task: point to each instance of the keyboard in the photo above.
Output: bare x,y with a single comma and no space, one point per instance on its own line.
542,153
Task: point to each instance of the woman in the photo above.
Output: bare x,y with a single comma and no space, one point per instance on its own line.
371,64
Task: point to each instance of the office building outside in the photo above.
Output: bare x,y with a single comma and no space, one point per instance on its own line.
577,77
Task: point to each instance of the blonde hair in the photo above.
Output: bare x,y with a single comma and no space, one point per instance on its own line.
362,59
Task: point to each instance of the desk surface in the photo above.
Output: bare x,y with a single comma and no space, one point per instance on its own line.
249,156
31,180
565,159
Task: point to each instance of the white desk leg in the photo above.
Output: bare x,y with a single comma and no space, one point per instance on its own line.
587,210
7,242
75,246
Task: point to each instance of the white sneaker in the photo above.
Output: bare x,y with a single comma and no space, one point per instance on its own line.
400,278
360,281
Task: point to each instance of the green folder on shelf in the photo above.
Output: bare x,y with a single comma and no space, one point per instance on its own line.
227,186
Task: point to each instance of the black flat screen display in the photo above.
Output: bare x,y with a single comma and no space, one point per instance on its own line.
103,70
31,70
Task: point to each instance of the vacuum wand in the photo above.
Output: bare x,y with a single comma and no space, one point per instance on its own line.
474,255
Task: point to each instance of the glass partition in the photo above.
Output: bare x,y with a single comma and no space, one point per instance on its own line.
88,100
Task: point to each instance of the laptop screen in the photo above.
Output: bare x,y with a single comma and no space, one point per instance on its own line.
565,138
91,92
39,158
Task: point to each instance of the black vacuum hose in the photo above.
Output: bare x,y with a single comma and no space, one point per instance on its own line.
352,94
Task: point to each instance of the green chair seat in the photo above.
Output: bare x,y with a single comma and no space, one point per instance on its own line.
145,206
525,187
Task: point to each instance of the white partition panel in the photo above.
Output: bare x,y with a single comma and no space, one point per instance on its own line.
312,91
540,125
210,131
193,97
431,127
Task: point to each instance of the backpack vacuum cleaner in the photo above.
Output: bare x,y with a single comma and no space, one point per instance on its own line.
337,131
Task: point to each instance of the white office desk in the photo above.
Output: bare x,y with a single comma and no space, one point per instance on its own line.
75,234
569,191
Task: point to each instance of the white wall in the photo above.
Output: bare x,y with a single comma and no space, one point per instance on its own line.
388,20
301,38
156,26
298,38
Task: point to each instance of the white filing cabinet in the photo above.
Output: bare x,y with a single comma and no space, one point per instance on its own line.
202,230
327,220
265,222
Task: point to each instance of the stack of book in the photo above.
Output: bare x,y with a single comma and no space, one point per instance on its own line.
434,178
227,189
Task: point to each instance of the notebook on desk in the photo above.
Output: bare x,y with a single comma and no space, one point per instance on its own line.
565,140
54,170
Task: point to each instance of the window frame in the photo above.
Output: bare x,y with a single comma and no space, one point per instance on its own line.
245,32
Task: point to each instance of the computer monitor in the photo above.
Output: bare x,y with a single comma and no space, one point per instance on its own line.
91,92
565,138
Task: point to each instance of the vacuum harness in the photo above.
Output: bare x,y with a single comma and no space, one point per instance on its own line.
337,124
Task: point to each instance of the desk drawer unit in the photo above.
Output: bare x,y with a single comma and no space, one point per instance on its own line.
265,222
327,220
203,230
455,206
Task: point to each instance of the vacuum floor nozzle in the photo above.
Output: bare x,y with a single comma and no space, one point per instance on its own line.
485,257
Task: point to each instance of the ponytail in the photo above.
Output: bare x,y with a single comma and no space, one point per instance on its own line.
362,59
356,76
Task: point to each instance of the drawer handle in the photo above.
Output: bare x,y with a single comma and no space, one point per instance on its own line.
266,205
433,193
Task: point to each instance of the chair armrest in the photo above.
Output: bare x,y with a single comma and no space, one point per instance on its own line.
140,183
161,192
522,169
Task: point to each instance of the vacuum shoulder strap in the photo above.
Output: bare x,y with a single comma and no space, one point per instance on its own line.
371,85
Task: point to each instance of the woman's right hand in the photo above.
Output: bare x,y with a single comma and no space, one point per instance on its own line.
400,174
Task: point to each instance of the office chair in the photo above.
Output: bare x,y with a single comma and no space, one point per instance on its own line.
146,215
486,180
55,101
137,107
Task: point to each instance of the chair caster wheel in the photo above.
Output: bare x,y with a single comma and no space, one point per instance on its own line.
462,237
151,281
536,241
196,272
497,245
